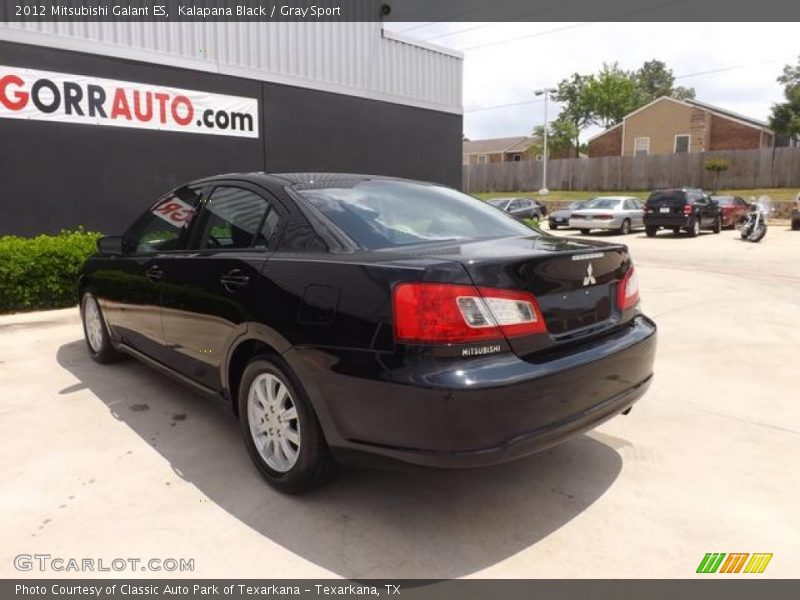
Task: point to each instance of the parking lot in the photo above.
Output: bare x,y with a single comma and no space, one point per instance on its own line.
119,461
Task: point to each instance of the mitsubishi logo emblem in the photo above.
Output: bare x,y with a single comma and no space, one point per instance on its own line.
589,279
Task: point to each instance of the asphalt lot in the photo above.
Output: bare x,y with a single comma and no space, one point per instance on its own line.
119,461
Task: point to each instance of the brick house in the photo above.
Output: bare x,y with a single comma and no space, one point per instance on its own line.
510,149
667,125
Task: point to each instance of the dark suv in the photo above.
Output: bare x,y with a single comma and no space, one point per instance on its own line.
690,209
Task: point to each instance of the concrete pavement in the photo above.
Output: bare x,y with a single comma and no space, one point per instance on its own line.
118,461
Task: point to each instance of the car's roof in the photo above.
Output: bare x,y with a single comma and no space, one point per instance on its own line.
303,180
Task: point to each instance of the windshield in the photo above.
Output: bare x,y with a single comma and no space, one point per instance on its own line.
382,213
499,202
604,203
723,200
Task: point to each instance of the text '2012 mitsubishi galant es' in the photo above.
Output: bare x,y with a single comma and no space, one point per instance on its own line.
345,314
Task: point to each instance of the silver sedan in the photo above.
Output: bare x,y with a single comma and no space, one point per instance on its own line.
616,213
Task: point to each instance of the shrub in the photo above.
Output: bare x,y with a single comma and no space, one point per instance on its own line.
716,166
42,272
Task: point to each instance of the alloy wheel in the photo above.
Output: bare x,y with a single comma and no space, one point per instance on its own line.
274,425
93,323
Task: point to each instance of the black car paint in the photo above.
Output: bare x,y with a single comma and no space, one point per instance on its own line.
324,305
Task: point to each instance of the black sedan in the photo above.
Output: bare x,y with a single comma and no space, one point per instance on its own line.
521,208
345,314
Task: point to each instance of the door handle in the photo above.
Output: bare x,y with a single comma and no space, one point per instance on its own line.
234,279
154,273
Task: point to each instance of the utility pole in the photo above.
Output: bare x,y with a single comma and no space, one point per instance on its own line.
546,91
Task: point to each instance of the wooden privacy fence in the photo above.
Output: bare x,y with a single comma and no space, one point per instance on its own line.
778,167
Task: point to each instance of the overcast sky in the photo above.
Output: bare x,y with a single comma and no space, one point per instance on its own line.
501,69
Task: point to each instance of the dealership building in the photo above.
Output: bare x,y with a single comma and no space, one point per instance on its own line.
97,119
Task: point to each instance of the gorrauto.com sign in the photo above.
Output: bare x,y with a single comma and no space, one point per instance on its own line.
87,100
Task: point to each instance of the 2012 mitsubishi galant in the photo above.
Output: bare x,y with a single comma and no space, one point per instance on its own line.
347,313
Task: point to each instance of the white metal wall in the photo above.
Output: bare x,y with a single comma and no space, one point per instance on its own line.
358,59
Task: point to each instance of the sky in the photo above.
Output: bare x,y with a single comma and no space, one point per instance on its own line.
505,62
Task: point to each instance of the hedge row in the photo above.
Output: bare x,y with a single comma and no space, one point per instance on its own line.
42,272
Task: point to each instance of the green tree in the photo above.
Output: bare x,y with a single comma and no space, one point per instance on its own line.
654,80
611,94
577,111
560,138
785,117
716,166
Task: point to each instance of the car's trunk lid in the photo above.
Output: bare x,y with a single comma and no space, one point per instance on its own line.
574,281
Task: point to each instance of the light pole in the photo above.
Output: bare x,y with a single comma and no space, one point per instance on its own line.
546,91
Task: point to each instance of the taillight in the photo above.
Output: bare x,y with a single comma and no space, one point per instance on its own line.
448,313
628,290
687,209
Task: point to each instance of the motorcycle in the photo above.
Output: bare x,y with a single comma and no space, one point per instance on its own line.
753,226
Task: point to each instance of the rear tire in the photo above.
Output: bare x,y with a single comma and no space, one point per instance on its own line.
585,231
717,225
626,227
98,341
280,428
796,225
676,230
650,231
694,229
552,226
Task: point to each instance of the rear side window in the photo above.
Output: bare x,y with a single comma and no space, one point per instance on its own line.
235,217
163,227
388,213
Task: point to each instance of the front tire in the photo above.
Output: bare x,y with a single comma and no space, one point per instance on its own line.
717,225
626,227
279,427
585,231
552,226
95,332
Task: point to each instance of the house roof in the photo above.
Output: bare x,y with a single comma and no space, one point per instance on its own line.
722,112
498,145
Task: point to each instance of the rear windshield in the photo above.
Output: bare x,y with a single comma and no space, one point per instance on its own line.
604,203
668,197
388,213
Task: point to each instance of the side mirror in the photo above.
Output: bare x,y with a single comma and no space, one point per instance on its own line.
110,245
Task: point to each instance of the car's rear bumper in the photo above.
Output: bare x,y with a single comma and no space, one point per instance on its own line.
668,222
595,223
477,411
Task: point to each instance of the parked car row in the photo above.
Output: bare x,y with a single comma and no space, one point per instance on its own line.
685,209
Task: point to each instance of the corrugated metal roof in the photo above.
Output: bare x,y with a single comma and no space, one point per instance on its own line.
351,58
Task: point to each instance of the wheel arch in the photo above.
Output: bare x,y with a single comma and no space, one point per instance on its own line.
256,340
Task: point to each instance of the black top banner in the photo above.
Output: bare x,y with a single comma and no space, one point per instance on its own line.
400,10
